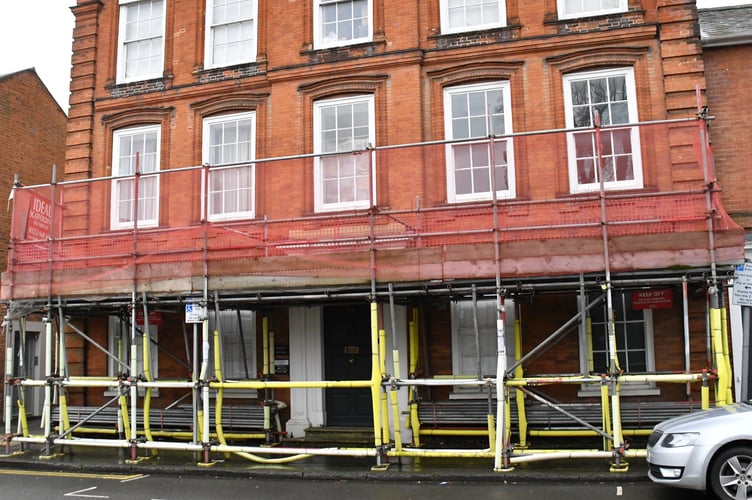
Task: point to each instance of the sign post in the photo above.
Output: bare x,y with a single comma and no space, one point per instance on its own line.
743,297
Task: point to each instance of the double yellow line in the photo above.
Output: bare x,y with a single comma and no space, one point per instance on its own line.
22,472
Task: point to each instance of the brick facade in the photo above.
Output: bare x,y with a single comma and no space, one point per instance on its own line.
405,69
729,101
33,139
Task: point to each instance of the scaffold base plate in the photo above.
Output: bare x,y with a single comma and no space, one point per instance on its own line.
622,467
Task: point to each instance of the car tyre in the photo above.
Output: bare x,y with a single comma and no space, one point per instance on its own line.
731,474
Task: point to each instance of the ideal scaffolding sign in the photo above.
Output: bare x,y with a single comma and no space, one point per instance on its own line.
743,285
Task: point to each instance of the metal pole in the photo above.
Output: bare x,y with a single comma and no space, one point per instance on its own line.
611,322
685,308
501,451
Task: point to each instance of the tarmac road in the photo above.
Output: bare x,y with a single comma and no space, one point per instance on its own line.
62,485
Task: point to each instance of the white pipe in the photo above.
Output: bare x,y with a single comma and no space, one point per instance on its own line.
8,388
47,413
501,389
205,389
559,455
536,456
685,316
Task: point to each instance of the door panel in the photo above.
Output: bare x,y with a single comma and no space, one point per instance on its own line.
347,355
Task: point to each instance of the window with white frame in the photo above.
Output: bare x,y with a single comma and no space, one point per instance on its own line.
120,339
467,15
342,22
238,343
346,126
230,32
478,115
581,8
135,150
633,331
607,97
141,40
229,149
466,352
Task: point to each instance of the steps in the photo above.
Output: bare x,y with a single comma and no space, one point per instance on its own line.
340,437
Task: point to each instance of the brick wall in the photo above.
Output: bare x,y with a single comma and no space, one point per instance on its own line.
32,140
33,137
728,73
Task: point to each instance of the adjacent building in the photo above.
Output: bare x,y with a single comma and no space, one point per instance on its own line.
32,141
726,35
508,190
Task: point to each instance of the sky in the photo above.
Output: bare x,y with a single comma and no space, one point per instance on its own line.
38,34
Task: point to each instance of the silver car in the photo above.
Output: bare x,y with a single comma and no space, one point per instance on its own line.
707,450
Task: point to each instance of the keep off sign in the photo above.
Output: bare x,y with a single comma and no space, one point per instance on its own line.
661,298
743,285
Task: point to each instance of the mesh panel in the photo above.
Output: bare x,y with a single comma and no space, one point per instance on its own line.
538,208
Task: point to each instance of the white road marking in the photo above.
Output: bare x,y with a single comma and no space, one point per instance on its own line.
134,478
80,493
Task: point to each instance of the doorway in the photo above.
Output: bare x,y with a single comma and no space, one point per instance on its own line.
29,363
347,356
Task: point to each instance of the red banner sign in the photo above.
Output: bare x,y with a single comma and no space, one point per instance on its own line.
33,216
155,318
38,218
652,299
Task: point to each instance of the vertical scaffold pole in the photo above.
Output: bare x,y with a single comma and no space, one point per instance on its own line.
501,441
396,373
376,381
8,386
47,412
716,335
9,333
685,311
133,375
610,320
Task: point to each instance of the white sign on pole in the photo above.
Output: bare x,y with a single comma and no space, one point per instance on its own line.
194,313
743,285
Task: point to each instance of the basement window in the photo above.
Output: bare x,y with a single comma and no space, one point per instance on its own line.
119,345
466,353
238,343
634,344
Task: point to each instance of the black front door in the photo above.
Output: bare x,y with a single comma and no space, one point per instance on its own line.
347,347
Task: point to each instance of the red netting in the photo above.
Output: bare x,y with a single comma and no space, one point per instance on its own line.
411,213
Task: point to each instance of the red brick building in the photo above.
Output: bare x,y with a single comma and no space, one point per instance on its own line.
726,35
490,183
33,140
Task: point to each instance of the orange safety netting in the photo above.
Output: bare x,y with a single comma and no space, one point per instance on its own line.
75,232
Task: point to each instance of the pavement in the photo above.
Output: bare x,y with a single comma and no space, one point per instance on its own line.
182,463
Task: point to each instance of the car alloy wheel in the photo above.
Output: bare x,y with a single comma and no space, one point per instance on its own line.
731,474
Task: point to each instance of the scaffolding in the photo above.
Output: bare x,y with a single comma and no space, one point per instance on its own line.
80,269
